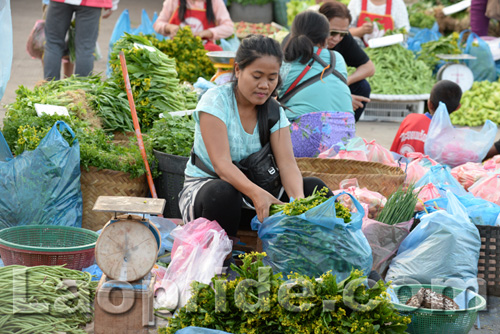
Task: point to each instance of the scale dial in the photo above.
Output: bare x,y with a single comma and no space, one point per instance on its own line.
458,73
126,250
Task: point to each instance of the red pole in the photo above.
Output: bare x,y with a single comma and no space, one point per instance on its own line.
137,127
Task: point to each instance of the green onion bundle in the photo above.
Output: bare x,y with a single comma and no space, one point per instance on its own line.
400,206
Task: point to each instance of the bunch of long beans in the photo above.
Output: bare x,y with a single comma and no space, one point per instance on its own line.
400,206
45,299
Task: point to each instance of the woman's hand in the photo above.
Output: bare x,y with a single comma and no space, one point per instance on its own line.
106,13
357,101
262,201
207,34
171,30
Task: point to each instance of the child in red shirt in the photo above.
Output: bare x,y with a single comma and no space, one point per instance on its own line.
412,132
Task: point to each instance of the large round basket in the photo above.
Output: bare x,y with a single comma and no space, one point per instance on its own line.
105,182
372,175
427,321
36,245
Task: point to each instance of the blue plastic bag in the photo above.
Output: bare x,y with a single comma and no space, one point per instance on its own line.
422,36
443,247
316,241
440,176
230,44
456,146
6,38
42,187
5,153
483,67
480,211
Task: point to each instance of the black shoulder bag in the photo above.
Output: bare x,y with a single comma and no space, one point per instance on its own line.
260,167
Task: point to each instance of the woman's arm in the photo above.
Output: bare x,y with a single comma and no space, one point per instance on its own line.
214,133
162,25
362,72
400,15
224,27
291,178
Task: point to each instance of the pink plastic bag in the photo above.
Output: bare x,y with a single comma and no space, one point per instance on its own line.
351,155
469,173
487,188
492,164
377,153
372,201
417,168
198,253
384,241
427,192
36,40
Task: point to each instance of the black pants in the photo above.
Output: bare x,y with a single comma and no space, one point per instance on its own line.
218,200
361,88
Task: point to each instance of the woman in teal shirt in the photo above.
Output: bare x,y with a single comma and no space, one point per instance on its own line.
228,118
321,112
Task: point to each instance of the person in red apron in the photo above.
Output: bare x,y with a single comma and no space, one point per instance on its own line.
369,15
208,19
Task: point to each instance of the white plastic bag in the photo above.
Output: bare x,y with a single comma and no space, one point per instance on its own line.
456,146
200,248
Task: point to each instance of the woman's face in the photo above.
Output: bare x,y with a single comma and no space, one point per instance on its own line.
258,80
339,27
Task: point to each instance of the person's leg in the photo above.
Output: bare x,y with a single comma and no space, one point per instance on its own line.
218,200
56,25
479,22
361,88
86,31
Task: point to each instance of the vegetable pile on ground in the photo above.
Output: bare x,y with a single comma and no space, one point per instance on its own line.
153,79
479,104
294,7
444,45
271,305
243,29
190,56
398,72
23,129
45,299
421,15
400,206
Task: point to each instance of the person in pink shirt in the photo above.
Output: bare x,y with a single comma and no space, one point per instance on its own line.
208,19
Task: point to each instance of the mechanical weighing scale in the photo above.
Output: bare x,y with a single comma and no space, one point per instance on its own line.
456,72
126,251
223,62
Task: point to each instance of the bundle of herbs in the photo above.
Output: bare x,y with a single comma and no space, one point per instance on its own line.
301,304
153,79
173,135
400,206
190,55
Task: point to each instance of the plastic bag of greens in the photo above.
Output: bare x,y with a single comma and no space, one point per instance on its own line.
42,187
444,246
483,67
456,146
316,241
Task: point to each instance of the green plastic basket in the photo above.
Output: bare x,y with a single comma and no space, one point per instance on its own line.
35,245
427,321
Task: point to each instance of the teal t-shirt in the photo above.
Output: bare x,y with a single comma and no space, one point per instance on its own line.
329,94
221,102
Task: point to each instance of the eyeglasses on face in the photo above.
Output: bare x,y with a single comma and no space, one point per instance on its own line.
342,33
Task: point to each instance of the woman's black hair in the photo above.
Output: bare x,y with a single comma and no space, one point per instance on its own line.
183,9
309,28
333,9
252,48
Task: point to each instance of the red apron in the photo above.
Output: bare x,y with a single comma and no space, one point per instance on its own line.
197,20
385,20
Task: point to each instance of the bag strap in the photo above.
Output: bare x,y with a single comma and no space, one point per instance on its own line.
330,70
304,71
273,116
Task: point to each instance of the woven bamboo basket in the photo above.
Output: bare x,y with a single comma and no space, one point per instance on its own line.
105,182
372,175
